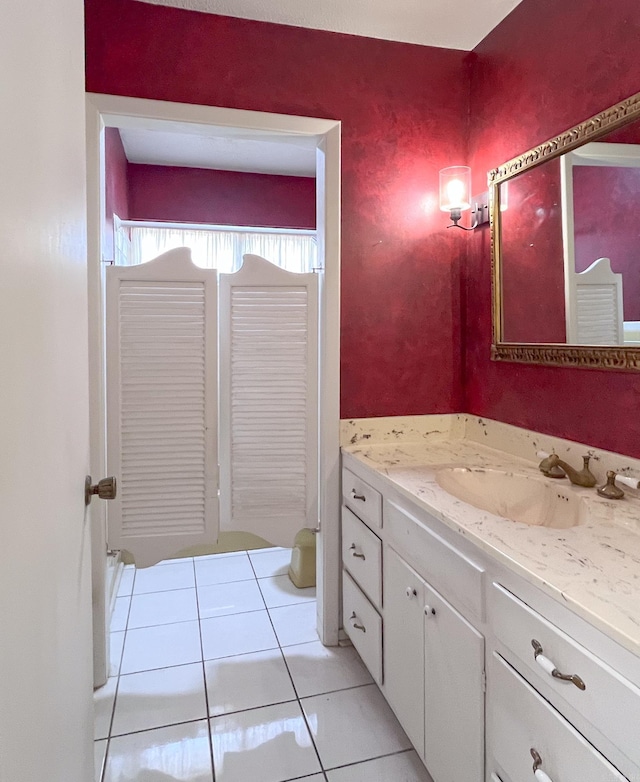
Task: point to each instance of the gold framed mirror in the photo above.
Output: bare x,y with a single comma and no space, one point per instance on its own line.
565,247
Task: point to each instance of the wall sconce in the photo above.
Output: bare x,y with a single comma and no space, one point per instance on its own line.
455,189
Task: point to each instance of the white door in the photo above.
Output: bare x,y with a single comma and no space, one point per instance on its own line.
268,401
46,714
162,406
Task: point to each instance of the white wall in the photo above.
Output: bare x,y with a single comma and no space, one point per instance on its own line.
45,592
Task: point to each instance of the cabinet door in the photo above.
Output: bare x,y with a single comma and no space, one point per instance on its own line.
404,646
454,697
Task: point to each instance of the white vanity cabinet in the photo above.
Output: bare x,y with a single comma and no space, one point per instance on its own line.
454,693
468,653
434,666
363,624
533,741
404,602
550,695
362,570
362,499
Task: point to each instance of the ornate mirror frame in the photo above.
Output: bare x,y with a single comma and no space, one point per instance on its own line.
587,356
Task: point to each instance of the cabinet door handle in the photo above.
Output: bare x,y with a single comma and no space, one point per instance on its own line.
354,553
411,592
429,611
358,496
538,773
354,618
549,667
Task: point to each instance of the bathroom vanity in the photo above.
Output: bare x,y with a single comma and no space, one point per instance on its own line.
508,650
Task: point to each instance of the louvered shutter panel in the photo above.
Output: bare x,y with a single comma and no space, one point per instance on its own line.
268,401
162,406
598,313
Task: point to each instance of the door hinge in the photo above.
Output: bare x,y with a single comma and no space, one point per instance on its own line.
484,681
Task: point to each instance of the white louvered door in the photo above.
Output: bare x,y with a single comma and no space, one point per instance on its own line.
162,406
268,401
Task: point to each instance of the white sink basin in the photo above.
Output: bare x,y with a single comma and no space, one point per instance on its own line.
538,502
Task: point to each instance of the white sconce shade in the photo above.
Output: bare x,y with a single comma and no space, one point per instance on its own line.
455,188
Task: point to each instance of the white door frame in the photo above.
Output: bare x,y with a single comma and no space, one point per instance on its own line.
116,111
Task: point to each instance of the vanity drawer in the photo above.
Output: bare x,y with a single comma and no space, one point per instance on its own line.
363,499
363,625
449,570
362,555
609,702
519,720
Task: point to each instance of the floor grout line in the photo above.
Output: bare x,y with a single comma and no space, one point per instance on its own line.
163,624
299,702
115,697
376,757
159,727
339,689
160,591
204,679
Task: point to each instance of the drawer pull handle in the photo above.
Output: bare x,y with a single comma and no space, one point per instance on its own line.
411,592
547,665
354,618
358,496
538,773
429,611
354,553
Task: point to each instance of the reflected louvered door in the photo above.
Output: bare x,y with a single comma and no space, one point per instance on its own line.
268,401
599,318
594,304
162,406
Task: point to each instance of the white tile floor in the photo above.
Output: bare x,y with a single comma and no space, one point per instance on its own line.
218,674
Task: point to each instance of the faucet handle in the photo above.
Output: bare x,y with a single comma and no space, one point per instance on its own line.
626,480
610,491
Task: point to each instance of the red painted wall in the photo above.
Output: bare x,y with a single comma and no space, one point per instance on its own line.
403,110
606,208
116,186
198,195
548,66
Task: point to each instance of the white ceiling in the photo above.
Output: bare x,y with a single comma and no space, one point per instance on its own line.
221,149
454,24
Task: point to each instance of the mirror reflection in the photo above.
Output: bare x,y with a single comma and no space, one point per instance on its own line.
570,247
532,268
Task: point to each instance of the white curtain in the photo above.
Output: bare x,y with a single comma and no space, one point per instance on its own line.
223,250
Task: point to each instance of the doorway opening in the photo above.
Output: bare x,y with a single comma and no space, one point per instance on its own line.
322,137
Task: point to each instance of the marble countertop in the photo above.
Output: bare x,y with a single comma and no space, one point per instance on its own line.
593,568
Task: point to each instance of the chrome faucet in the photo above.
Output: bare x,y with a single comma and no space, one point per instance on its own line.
583,477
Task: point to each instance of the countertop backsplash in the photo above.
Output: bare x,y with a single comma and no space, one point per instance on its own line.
521,443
